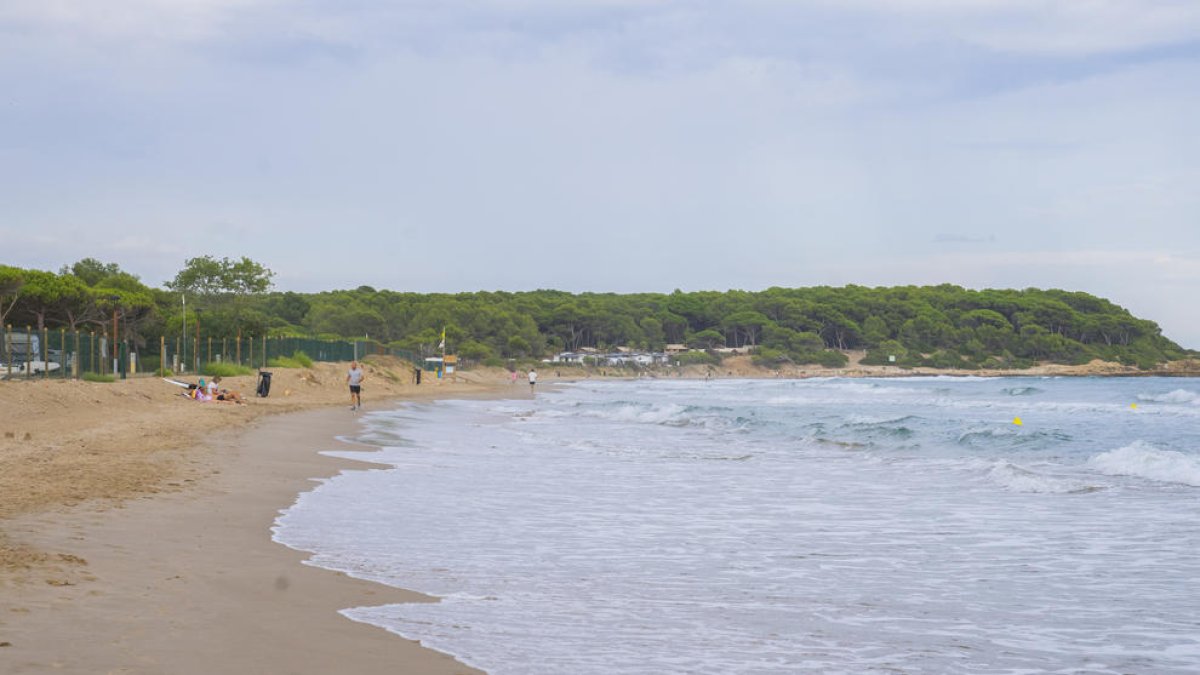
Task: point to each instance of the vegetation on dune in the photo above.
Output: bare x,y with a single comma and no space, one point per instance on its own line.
940,326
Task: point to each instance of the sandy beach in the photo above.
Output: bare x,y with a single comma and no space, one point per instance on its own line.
137,530
135,523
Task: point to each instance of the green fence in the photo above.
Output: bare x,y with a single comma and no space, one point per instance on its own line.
26,352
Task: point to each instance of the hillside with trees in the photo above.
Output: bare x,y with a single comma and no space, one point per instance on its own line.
942,326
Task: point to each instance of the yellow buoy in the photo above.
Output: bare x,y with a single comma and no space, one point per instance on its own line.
1017,421
1133,405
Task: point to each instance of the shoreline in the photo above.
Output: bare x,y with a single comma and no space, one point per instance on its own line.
193,581
167,561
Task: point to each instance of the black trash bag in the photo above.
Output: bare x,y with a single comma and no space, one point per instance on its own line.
264,384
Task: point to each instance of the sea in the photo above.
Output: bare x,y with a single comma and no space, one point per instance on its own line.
899,525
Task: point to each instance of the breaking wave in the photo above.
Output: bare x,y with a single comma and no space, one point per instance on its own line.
1143,460
1177,396
1019,479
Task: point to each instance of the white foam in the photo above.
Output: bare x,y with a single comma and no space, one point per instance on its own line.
1019,479
1146,461
1176,396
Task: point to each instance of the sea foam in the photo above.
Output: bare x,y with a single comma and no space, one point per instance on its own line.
1143,460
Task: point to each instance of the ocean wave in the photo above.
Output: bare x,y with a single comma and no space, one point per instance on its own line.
1143,460
1176,396
853,420
1010,437
665,414
1019,479
1021,391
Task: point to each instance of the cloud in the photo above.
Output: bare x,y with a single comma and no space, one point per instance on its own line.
1082,28
126,19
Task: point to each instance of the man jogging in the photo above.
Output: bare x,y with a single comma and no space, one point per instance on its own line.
354,378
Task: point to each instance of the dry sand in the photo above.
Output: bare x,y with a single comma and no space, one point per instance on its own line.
136,528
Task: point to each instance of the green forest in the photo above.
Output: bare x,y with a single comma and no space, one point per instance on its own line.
942,326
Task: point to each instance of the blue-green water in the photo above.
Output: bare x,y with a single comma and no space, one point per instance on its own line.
782,526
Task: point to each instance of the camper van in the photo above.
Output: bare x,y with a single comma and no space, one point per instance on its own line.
26,352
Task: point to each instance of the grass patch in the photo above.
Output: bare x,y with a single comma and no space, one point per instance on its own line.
298,359
97,377
219,369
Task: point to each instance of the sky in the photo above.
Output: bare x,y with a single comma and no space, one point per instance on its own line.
613,145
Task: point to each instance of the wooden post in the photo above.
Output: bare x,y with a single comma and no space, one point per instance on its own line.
239,350
77,357
162,355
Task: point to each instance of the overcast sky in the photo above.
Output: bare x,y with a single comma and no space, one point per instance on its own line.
613,145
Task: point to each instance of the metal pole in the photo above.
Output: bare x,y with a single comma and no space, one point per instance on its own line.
116,354
197,346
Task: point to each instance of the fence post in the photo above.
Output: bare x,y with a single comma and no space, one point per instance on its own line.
264,352
239,350
62,351
8,350
76,357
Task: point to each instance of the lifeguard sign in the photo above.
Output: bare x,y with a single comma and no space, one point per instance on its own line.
451,360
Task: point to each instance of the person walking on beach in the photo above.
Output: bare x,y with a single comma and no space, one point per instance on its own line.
354,378
532,379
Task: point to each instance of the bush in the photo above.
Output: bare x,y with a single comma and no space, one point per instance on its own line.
696,358
830,358
96,377
298,359
767,357
947,358
219,369
494,362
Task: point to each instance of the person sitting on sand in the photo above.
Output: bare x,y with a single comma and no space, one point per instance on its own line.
212,387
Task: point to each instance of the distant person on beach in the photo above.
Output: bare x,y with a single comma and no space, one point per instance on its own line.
199,392
532,378
513,377
354,378
216,393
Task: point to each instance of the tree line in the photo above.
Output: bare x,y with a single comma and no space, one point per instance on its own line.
941,326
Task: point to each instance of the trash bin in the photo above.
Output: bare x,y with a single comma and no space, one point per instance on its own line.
264,384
